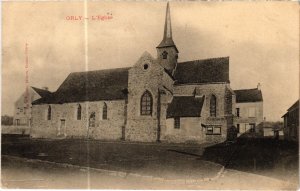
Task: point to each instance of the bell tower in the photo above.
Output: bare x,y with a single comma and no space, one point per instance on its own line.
167,52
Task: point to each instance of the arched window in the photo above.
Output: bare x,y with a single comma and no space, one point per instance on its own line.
49,113
92,119
146,103
104,112
213,106
79,112
164,55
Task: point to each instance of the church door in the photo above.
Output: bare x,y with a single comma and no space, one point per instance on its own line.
92,121
62,128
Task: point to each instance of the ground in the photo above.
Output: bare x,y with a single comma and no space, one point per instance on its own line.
266,156
162,162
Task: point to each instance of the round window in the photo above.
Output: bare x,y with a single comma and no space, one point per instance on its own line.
146,66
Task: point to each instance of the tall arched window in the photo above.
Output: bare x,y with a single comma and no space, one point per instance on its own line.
49,113
146,103
213,106
104,112
79,112
92,119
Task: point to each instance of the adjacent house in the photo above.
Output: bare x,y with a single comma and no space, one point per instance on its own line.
248,110
22,113
291,123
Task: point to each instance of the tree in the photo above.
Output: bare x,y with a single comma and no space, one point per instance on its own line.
7,120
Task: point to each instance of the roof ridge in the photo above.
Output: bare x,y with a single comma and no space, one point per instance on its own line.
106,69
215,58
247,89
40,89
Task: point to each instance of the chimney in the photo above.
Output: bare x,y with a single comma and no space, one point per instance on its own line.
45,88
258,86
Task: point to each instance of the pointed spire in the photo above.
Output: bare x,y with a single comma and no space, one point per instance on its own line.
168,27
167,40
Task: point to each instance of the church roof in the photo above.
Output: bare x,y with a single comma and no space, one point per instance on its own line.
185,106
248,95
90,86
41,92
203,71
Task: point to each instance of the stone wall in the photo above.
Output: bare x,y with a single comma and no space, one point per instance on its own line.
171,61
165,99
217,122
146,75
207,90
190,131
106,129
15,130
224,106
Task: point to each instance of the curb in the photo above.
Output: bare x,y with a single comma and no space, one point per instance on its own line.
265,177
125,174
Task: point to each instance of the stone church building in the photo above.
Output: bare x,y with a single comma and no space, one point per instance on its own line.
157,99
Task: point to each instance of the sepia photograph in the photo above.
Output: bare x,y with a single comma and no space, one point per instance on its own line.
155,95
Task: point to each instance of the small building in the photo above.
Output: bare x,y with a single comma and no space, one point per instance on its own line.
268,131
271,129
291,123
248,110
22,113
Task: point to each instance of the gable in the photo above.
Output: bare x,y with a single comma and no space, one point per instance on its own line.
214,70
31,95
145,63
144,71
41,92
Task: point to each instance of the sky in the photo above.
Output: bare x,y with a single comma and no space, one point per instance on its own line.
260,38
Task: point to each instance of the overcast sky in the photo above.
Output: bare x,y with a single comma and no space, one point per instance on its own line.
261,39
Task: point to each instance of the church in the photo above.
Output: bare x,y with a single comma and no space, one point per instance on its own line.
158,99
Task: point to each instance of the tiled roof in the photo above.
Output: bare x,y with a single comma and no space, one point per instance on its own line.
248,95
90,86
203,71
41,92
167,42
110,84
185,106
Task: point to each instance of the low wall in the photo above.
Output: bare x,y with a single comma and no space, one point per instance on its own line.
19,130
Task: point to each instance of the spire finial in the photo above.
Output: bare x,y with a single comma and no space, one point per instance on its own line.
168,27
